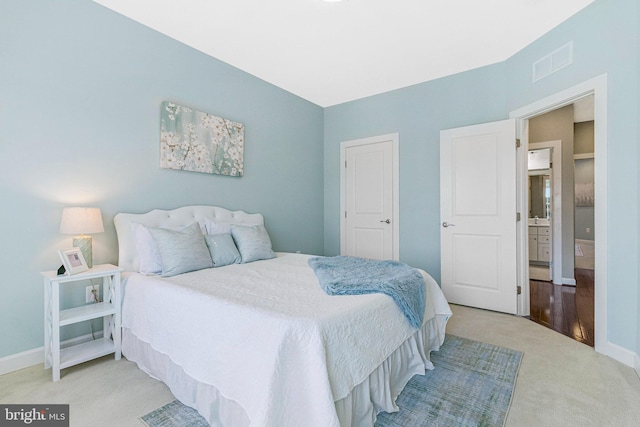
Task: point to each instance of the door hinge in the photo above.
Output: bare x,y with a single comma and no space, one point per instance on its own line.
519,290
345,163
517,216
345,214
517,142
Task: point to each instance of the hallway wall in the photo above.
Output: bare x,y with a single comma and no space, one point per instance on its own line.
552,126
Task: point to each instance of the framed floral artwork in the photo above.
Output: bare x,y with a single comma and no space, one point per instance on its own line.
200,142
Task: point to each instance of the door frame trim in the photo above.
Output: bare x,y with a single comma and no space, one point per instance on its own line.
596,86
395,139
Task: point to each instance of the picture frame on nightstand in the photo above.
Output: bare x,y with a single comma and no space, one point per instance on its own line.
73,261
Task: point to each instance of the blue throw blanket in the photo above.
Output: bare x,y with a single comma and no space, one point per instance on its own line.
343,275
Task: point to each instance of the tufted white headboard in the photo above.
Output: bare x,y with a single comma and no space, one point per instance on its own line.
127,253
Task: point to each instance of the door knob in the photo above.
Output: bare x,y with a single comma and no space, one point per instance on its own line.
447,224
388,221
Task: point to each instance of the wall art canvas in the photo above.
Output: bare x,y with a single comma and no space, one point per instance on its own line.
584,170
194,141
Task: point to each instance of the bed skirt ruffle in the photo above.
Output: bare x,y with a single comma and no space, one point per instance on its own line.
375,394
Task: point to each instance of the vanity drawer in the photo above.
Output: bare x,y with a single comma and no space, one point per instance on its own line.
544,252
543,231
544,239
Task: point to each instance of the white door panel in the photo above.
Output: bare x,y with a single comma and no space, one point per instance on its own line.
475,265
478,203
370,202
367,171
369,243
475,193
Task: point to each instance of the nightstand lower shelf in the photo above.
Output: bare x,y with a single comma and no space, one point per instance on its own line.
86,351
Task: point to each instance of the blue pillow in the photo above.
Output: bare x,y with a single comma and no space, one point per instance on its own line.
181,251
222,249
253,242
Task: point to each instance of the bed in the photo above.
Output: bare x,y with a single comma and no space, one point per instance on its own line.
260,343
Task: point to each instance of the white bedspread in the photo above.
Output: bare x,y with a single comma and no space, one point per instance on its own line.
268,337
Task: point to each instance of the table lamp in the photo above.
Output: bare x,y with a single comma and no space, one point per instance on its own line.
82,221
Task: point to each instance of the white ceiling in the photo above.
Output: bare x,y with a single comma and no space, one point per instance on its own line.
330,53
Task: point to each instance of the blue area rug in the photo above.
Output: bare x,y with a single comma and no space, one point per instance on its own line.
472,385
174,414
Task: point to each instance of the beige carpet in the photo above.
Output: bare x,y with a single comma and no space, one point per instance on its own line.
561,382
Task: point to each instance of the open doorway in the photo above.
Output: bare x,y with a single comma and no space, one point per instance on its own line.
597,87
562,285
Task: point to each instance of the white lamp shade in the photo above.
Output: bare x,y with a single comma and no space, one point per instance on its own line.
81,221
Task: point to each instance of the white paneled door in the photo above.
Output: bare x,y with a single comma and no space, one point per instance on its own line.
478,216
368,185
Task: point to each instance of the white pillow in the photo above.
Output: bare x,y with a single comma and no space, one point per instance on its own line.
253,242
148,255
181,251
212,227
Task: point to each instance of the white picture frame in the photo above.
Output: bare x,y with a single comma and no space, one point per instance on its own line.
73,261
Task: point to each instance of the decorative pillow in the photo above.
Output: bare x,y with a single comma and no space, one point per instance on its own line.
181,251
253,242
213,227
148,255
222,249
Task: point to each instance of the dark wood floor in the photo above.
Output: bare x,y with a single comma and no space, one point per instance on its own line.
565,309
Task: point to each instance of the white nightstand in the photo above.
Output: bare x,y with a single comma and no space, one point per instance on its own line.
54,318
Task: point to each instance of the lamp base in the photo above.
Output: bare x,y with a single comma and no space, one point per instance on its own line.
84,243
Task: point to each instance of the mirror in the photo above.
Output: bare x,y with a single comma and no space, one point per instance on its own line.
540,194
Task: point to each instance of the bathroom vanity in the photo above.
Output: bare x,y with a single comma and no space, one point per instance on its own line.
539,240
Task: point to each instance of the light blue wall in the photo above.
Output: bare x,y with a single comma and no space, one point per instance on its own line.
80,89
605,40
605,37
417,113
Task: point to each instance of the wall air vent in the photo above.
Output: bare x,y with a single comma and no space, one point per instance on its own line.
553,62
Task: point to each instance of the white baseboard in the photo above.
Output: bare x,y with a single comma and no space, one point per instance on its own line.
568,281
15,362
623,355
